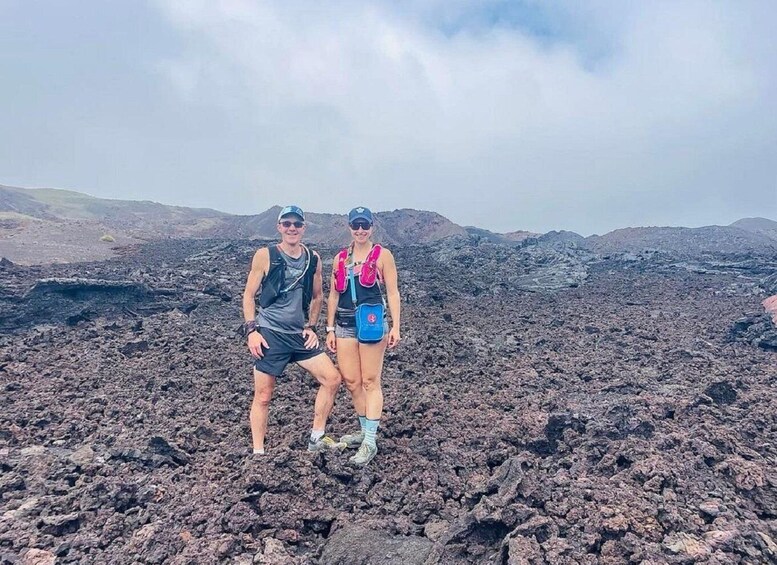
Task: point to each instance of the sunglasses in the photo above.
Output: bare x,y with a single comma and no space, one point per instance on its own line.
288,223
360,225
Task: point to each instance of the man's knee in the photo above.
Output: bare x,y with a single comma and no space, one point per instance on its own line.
262,397
332,378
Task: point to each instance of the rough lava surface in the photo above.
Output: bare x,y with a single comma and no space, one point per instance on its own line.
545,406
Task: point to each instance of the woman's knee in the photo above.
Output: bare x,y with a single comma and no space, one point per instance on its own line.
352,382
371,382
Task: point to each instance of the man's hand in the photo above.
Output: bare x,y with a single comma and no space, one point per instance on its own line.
393,337
331,342
310,337
256,342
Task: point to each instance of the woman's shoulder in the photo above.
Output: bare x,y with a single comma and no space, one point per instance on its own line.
384,250
385,255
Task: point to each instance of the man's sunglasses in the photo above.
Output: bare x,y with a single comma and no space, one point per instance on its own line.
360,225
288,223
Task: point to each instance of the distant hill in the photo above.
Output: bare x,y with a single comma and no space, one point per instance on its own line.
761,226
51,225
709,240
511,238
401,227
141,219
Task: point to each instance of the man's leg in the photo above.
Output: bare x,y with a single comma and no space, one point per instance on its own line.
324,371
263,388
350,367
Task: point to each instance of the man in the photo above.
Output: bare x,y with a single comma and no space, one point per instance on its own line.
289,276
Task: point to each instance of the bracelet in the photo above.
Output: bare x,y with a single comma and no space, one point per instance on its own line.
309,327
248,327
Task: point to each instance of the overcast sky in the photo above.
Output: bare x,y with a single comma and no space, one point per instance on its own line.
586,116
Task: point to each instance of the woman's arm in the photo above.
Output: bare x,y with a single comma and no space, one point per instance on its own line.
389,272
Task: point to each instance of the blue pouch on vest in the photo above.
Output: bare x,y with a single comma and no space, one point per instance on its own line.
370,324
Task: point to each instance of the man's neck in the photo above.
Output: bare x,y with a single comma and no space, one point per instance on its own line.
292,250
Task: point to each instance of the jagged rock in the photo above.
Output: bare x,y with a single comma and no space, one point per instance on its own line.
38,557
274,553
579,424
59,525
83,456
721,393
354,545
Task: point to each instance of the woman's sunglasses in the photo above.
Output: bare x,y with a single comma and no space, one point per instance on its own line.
360,225
287,224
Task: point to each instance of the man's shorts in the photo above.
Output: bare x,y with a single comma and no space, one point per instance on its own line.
283,349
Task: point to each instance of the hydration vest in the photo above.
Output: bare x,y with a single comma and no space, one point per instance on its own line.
274,283
368,275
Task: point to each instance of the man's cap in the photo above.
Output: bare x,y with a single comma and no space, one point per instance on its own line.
288,210
360,213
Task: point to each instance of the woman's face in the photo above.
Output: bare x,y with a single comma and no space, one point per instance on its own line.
361,230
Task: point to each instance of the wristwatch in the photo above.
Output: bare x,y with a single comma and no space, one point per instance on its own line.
330,329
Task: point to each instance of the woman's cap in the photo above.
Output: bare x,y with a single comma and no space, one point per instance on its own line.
360,213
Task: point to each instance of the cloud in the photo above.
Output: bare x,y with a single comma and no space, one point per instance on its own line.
508,115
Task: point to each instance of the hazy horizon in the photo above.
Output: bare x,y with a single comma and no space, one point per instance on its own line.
315,211
502,115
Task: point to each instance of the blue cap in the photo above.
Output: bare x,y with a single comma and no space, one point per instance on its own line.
296,210
360,213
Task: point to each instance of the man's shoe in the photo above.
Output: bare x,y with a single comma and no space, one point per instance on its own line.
324,443
353,440
364,455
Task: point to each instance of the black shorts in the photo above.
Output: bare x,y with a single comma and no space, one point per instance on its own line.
283,349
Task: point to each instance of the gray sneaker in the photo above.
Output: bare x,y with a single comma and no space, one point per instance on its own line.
325,443
353,440
364,455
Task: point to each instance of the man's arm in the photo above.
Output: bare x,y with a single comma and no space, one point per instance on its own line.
259,266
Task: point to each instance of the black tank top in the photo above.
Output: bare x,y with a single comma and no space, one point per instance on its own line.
364,295
346,312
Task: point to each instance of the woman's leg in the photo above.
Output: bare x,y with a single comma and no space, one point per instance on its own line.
371,358
371,361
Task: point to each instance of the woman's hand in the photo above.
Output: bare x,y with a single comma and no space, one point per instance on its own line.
393,337
310,337
256,342
331,342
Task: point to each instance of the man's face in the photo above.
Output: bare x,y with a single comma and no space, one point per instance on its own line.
291,228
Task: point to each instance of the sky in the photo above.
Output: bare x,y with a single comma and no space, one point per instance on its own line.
506,115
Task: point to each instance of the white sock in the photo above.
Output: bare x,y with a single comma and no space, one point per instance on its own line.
258,451
315,435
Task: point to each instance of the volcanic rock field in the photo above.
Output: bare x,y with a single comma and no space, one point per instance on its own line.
546,405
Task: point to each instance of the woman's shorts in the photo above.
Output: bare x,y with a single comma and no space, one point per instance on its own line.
343,332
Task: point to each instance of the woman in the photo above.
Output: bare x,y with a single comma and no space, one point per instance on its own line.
371,270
